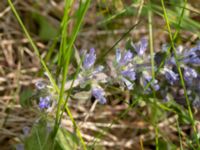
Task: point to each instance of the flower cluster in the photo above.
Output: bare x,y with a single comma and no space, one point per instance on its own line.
189,61
192,56
89,59
124,63
131,70
88,73
45,101
171,76
129,75
88,76
189,74
141,46
123,68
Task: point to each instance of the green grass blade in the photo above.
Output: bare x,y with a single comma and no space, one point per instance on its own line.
179,70
152,69
66,59
42,62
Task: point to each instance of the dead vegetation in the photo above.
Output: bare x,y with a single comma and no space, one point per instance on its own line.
20,69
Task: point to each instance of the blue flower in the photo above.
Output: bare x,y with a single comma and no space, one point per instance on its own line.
44,102
129,73
99,95
189,74
123,68
127,57
196,48
154,83
192,56
123,60
171,76
89,59
141,47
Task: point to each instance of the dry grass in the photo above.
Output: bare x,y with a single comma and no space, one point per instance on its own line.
19,69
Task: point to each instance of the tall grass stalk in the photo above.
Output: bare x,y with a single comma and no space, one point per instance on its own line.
65,104
63,32
152,69
83,9
67,54
141,144
179,70
64,35
151,41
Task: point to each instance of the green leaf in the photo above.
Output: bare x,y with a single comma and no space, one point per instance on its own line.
46,30
25,97
40,138
66,140
166,145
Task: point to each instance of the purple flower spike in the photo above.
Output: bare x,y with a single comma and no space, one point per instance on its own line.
130,73
192,58
128,56
141,47
99,95
189,74
89,59
44,102
171,76
193,55
196,48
